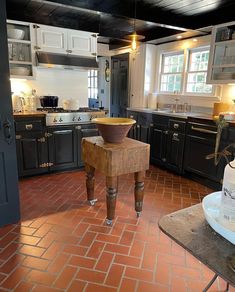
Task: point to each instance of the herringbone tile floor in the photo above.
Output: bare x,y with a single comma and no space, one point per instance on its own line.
63,244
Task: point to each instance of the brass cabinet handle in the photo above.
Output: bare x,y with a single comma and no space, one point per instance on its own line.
42,140
18,137
29,127
175,137
201,130
43,165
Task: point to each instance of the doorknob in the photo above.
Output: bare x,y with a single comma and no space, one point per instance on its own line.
7,131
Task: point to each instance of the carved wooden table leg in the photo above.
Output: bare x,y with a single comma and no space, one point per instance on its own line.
139,191
90,183
111,185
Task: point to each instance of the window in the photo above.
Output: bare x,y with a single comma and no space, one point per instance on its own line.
197,71
171,72
92,84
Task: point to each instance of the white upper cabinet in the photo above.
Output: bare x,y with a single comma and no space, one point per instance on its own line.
65,41
221,69
51,39
82,43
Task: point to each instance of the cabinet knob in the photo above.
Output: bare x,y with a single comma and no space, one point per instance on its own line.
176,126
60,120
164,159
55,120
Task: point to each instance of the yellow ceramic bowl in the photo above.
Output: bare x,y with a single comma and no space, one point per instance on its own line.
113,130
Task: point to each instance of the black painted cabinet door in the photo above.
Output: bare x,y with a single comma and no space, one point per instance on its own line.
32,153
119,85
9,194
196,150
143,133
175,151
159,145
87,131
62,147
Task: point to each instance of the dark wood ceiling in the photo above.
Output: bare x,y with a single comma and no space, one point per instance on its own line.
113,19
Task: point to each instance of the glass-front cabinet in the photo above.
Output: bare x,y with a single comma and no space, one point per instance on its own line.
20,49
221,68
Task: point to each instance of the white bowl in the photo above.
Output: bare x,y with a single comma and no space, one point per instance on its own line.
22,71
211,208
14,33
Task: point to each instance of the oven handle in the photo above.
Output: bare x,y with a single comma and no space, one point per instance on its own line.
201,130
62,132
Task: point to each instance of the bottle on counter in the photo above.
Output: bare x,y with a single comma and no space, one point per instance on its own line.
227,208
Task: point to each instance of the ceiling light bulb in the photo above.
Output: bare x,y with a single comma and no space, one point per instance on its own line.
134,44
179,37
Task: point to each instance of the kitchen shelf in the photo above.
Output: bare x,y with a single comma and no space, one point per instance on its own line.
222,56
20,50
19,41
20,62
224,66
223,43
28,77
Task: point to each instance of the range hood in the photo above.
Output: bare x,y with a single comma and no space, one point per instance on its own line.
49,60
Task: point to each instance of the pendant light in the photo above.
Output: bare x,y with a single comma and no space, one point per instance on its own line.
134,37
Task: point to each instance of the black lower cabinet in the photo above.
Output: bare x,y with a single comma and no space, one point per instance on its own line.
143,133
159,137
62,147
32,153
31,146
175,151
86,130
200,142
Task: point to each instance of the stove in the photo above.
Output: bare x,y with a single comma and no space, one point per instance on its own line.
59,116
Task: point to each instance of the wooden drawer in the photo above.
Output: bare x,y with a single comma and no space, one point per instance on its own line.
177,125
29,125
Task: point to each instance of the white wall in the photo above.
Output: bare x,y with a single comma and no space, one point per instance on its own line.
66,84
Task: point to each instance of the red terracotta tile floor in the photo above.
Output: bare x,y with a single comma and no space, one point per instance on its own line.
63,244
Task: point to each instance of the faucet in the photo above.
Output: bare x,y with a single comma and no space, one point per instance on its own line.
175,109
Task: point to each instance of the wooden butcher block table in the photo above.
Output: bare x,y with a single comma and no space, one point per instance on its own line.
114,160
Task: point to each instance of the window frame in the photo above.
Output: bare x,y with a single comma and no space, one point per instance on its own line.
187,71
92,79
186,53
168,54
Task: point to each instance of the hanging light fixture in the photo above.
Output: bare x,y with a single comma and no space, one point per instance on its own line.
134,37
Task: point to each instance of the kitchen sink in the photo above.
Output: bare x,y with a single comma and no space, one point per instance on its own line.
211,208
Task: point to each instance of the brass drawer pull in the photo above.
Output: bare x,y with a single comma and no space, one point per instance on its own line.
201,130
29,127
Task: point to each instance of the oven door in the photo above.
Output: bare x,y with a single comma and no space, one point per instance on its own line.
87,130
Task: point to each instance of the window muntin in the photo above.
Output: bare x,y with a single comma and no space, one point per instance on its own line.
172,72
93,84
197,72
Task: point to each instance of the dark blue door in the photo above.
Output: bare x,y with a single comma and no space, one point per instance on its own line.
119,85
9,195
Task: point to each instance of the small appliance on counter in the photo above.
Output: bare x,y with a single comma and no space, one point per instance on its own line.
49,101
